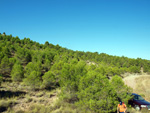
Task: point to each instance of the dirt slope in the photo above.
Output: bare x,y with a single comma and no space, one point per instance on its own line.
130,80
140,84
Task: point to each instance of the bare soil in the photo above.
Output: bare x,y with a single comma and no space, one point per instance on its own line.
140,84
130,80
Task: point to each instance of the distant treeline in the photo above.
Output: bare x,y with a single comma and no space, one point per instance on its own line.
82,76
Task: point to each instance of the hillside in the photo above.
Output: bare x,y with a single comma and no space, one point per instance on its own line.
37,74
26,50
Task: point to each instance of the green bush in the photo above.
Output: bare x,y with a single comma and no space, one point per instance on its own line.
33,80
95,93
17,72
49,80
120,88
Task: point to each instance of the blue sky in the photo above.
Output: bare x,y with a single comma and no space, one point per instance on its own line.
114,27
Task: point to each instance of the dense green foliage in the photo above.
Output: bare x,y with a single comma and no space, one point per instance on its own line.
96,93
82,76
49,79
17,72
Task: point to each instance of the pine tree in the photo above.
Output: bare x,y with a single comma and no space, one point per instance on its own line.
49,80
47,65
33,80
17,72
5,66
121,89
96,93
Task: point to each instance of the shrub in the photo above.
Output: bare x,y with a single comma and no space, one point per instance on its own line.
49,80
17,72
95,93
33,80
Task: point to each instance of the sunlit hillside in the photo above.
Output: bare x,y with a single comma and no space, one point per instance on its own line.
48,78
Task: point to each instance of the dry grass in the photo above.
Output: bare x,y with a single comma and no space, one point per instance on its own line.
18,98
140,84
7,103
143,86
41,101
